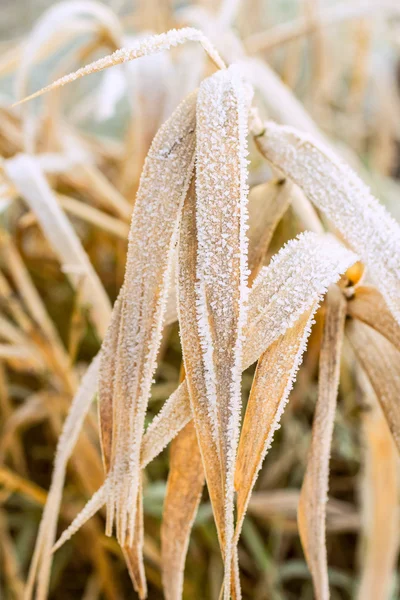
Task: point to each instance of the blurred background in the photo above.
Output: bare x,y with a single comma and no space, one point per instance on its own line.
336,63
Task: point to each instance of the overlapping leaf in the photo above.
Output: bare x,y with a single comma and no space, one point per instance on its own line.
344,198
131,363
218,279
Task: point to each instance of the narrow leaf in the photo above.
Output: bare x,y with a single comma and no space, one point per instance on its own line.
42,559
96,502
221,286
185,485
155,220
268,203
25,174
347,202
150,45
273,380
314,492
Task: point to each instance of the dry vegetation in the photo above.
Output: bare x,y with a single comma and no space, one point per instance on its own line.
188,241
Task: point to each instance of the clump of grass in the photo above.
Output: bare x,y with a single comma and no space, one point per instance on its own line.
199,253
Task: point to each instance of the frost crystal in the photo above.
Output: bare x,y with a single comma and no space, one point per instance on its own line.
155,220
221,291
146,47
347,202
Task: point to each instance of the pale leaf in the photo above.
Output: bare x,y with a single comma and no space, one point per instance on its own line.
192,350
347,202
96,502
151,45
221,286
268,203
42,559
314,492
173,416
25,174
155,220
134,555
106,380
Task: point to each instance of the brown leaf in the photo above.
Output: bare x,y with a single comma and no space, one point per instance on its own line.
368,305
218,280
314,492
163,187
381,362
273,380
184,488
380,508
268,203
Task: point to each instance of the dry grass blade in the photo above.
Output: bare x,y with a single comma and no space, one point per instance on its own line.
36,308
96,502
134,555
52,25
30,182
184,488
268,203
344,198
381,361
268,317
273,308
221,271
106,381
173,417
194,386
276,371
296,277
41,561
150,45
314,492
368,306
380,508
155,220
